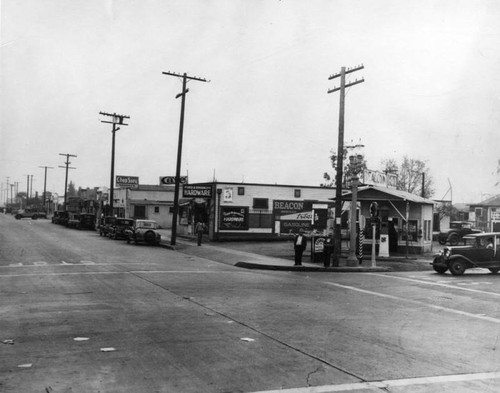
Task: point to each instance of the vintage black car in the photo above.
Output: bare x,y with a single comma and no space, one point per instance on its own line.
105,225
480,250
60,217
118,229
455,233
87,221
28,213
144,231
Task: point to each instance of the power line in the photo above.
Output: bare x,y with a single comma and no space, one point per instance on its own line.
67,155
115,119
185,78
340,157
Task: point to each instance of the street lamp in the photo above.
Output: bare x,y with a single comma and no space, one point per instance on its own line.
356,165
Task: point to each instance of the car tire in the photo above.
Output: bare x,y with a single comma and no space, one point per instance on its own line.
440,269
494,270
150,237
454,239
442,242
457,267
34,217
18,216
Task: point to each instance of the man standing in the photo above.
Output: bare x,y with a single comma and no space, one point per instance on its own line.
300,244
199,227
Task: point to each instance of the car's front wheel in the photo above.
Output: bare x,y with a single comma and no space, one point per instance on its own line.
440,269
149,237
442,241
494,270
457,267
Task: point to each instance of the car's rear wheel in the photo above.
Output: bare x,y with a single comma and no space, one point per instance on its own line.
494,270
457,267
34,217
18,216
442,241
454,239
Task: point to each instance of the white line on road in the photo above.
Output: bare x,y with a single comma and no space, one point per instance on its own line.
388,383
419,303
124,272
439,284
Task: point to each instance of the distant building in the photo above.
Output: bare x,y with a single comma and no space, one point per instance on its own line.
486,214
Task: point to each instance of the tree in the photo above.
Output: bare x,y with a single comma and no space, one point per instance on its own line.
71,189
346,172
411,173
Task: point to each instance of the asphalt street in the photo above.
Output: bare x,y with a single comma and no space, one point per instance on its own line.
81,313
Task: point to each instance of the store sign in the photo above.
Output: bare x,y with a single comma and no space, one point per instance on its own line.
234,218
196,191
376,178
127,181
165,180
292,215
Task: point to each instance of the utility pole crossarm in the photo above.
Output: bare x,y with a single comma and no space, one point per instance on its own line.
195,78
347,85
347,71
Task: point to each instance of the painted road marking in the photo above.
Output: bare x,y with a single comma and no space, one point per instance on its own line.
439,284
384,385
416,302
44,263
124,272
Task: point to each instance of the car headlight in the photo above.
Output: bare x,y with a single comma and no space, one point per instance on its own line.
447,253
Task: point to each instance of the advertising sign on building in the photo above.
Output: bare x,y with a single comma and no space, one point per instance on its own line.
127,181
197,191
166,180
292,215
234,218
376,178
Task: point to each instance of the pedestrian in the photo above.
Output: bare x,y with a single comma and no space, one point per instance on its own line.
327,251
198,229
299,245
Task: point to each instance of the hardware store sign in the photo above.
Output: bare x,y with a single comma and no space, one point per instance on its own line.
196,191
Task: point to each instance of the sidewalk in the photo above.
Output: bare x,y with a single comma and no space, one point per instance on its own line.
237,254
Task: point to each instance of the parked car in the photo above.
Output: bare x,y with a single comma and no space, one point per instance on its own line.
455,233
87,221
105,225
27,213
144,231
73,220
117,230
60,217
480,250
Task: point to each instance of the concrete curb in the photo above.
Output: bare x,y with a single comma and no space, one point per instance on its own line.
303,268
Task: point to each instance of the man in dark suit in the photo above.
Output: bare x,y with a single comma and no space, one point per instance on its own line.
299,244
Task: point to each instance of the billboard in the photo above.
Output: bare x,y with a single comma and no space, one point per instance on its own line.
127,181
290,216
234,218
164,180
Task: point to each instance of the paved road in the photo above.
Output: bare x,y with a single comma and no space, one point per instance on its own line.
79,313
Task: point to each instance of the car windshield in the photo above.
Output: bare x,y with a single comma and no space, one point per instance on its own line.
146,224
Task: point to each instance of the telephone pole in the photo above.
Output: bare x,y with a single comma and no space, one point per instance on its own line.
340,157
115,119
45,204
185,78
67,155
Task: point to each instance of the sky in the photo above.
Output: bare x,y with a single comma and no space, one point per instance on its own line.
431,89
